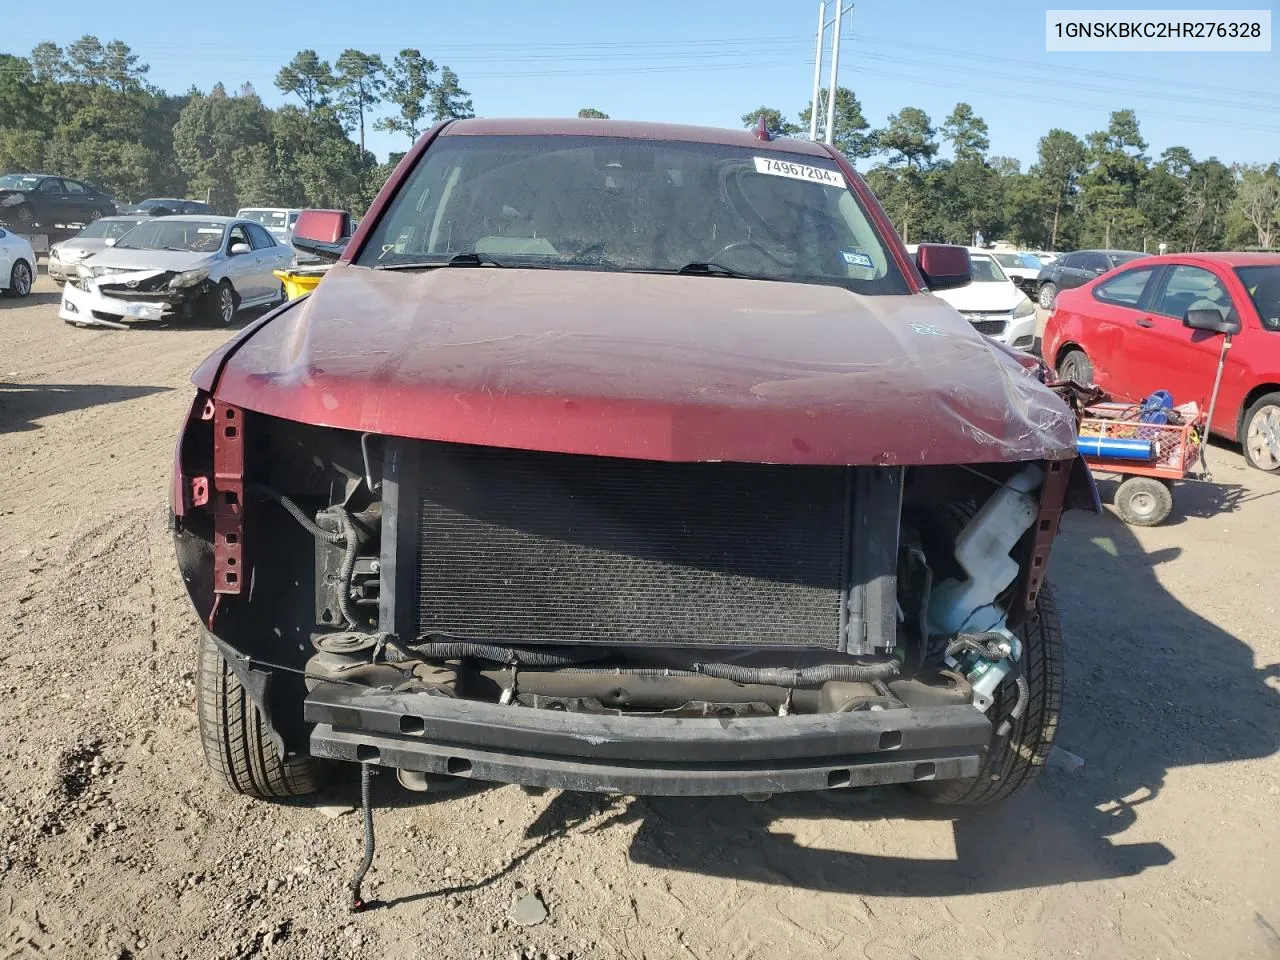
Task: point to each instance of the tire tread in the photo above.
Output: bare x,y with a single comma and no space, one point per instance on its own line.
237,748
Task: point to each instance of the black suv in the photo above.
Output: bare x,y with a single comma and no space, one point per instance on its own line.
167,206
1076,269
39,200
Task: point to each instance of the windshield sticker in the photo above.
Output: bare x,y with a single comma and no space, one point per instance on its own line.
208,229
799,171
856,258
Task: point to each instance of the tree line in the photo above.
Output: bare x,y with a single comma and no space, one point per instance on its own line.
1100,191
87,111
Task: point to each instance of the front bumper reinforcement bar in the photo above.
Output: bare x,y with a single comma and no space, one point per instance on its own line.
645,755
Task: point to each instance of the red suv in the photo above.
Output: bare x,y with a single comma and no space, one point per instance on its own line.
632,458
1158,325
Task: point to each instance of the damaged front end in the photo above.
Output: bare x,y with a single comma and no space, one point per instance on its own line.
608,624
103,296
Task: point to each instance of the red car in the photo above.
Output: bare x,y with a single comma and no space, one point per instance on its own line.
631,458
1158,325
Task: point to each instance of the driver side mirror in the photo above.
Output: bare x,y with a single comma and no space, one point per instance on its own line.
322,233
1212,321
943,265
238,248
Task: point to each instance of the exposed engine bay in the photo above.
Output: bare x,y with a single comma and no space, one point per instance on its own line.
385,573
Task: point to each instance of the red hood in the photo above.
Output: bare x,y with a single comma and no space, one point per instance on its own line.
646,366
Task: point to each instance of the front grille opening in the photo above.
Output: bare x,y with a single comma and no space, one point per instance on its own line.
539,547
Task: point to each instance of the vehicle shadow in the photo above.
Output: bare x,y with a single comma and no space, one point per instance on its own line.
1200,499
21,404
1151,686
31,299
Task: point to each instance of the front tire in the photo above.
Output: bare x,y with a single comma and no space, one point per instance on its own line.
1076,365
223,304
19,280
1261,433
1013,762
1048,294
240,754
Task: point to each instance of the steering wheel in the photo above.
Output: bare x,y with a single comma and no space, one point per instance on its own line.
748,244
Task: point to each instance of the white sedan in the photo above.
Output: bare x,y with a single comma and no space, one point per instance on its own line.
1022,268
189,267
17,264
992,303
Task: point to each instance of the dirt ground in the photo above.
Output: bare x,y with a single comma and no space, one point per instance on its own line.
114,844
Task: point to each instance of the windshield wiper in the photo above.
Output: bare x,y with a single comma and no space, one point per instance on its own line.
708,268
458,260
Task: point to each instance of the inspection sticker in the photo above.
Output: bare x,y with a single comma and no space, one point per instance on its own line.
856,258
799,171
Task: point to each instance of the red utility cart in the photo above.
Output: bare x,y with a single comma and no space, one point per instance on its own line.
1145,495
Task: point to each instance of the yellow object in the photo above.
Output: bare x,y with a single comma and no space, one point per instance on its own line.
298,282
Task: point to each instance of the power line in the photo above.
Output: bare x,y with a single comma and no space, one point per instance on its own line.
1182,98
1036,98
1267,96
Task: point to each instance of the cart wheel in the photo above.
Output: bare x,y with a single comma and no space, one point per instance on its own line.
1143,501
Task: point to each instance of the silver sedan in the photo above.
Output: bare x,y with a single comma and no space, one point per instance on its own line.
96,237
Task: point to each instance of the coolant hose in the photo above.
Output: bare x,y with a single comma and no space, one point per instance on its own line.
802,677
351,537
991,645
1024,698
573,661
313,528
348,536
1019,706
456,649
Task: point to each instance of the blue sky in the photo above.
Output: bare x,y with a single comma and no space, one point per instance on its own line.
712,61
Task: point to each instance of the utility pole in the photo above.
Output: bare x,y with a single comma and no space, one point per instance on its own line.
817,71
835,73
836,23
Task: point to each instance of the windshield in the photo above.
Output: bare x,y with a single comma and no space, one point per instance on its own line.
619,204
197,236
985,270
268,218
18,181
1008,260
158,202
1263,284
107,228
1119,259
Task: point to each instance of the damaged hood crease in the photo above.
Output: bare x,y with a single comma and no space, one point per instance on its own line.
657,367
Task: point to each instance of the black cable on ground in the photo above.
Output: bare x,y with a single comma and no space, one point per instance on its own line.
357,903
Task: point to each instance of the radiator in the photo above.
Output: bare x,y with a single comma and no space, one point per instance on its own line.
556,548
